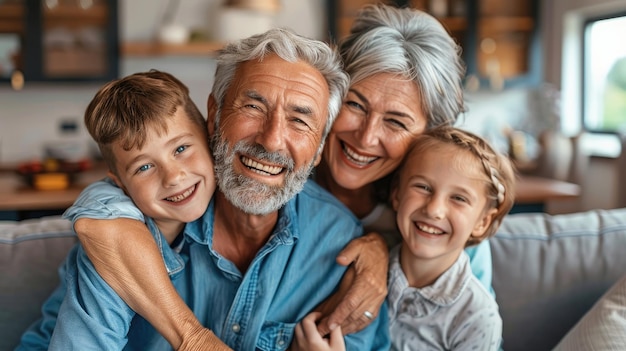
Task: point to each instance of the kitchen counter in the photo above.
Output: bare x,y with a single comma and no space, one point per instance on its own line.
16,195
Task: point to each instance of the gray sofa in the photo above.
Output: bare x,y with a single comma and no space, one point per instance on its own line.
548,271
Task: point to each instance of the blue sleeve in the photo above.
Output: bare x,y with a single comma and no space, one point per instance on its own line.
37,336
103,200
480,262
374,337
92,316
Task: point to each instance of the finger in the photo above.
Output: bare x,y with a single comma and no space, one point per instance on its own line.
336,340
352,309
299,332
350,252
344,315
309,326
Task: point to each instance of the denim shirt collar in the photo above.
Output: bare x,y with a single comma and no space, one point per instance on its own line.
173,262
285,232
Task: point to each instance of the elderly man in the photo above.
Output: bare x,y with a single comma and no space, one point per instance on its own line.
262,256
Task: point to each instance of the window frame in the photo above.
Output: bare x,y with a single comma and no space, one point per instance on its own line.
585,87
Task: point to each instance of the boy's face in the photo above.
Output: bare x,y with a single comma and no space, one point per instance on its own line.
440,202
171,178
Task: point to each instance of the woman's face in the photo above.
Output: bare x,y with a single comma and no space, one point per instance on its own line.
378,120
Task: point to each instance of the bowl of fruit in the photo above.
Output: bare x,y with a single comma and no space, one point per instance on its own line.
51,173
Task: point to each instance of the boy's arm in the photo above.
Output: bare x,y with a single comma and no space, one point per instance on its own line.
363,288
125,254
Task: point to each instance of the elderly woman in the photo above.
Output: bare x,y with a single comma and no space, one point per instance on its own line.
406,77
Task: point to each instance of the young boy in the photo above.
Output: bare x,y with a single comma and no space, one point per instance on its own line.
451,191
154,141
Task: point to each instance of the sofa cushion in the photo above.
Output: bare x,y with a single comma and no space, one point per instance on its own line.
30,252
549,270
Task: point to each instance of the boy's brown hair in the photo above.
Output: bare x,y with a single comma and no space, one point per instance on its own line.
498,170
124,109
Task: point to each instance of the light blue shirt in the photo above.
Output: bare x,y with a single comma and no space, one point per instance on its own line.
383,220
256,310
455,312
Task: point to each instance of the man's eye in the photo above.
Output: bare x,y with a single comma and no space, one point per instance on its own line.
300,121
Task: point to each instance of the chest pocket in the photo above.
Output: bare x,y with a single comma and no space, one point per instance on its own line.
275,336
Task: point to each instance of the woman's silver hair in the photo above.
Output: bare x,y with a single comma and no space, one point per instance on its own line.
414,45
290,47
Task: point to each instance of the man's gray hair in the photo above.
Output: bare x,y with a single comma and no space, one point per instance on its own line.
414,45
290,47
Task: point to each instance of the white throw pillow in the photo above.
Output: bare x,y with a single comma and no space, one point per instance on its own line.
603,327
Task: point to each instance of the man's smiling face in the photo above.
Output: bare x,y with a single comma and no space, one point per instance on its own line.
269,133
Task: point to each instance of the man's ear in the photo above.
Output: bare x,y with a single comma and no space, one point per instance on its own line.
117,180
318,158
483,224
211,112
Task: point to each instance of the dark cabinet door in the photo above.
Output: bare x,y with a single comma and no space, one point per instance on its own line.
59,40
500,38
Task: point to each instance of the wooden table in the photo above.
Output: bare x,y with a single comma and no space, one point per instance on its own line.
533,193
16,195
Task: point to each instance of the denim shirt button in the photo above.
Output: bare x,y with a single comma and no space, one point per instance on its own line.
236,328
281,342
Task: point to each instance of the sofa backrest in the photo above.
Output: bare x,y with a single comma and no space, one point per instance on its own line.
30,252
549,270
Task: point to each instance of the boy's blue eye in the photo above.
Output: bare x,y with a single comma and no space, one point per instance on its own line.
181,149
144,168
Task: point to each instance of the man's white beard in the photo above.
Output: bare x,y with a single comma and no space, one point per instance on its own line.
250,195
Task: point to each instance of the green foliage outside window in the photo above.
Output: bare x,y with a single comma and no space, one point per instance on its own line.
614,116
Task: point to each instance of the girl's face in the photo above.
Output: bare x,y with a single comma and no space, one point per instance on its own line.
441,201
378,120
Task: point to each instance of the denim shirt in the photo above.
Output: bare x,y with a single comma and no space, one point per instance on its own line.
254,310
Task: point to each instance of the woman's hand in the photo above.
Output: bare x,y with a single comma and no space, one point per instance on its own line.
363,288
309,339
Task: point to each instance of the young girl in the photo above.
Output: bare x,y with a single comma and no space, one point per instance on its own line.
451,191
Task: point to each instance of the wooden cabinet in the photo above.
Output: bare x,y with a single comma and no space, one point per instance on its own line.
59,40
500,39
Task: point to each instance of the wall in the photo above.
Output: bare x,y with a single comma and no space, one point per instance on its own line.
29,119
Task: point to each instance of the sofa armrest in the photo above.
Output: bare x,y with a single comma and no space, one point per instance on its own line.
550,269
30,254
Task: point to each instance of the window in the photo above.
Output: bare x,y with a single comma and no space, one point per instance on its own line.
604,74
